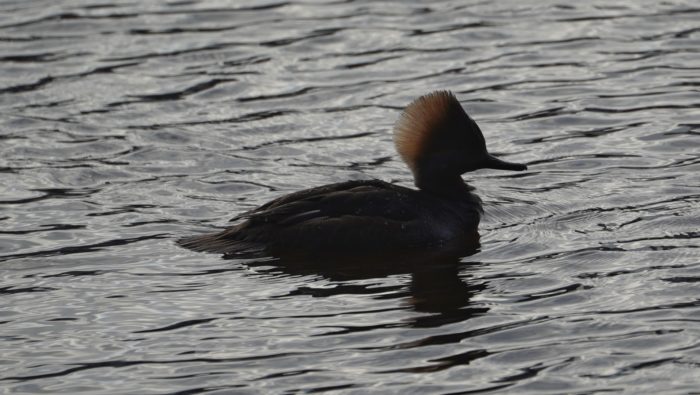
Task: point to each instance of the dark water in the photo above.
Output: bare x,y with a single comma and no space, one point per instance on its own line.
124,125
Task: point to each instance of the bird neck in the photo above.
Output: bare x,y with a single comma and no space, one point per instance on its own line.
442,185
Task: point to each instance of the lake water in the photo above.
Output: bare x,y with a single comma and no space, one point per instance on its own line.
125,125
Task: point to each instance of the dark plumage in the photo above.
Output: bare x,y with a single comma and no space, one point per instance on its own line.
350,217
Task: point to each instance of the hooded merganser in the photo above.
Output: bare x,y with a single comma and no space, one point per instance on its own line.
437,140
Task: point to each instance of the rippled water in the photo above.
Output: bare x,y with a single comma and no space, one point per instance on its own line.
125,125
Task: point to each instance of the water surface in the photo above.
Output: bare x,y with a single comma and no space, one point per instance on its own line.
125,125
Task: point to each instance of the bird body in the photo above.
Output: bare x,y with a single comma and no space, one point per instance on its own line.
437,140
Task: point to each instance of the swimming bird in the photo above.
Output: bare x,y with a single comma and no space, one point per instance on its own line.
437,140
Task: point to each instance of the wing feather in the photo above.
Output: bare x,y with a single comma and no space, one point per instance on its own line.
335,216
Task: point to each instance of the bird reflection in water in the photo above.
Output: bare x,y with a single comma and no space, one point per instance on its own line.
437,284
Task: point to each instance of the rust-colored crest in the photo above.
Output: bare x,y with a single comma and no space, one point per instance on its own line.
425,122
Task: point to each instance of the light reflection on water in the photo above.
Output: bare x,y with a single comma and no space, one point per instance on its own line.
127,125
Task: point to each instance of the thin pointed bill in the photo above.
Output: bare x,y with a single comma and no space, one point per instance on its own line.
492,162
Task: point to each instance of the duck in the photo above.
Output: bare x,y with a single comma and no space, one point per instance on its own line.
437,140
